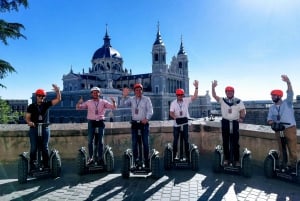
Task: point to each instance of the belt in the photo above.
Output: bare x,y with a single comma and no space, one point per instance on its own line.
230,120
290,127
137,122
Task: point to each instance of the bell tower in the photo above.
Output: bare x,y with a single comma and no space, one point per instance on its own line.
182,65
159,66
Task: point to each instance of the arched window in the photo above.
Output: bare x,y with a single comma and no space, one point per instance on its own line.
155,57
180,64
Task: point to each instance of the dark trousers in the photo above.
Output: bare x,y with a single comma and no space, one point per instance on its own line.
231,138
176,134
43,143
144,136
95,140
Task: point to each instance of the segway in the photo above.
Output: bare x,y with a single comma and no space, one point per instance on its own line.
192,159
272,165
245,168
107,164
38,170
132,167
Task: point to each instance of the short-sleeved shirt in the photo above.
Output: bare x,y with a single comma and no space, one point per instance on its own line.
96,108
39,113
230,108
181,109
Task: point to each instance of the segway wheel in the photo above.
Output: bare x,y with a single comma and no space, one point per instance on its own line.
268,167
298,173
56,166
195,160
109,161
22,170
167,159
81,163
126,166
216,162
156,168
247,166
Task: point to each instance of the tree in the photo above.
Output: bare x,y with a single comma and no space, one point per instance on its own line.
4,112
9,30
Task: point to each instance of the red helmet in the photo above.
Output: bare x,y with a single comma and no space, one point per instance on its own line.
179,92
40,92
277,92
138,85
229,88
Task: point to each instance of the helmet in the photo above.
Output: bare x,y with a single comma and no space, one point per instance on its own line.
95,89
138,85
40,92
179,92
229,88
277,92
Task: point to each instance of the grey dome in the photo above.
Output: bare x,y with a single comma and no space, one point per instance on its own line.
106,51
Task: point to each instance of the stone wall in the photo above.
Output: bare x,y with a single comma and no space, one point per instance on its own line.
68,138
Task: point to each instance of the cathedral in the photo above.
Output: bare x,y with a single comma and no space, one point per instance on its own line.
108,73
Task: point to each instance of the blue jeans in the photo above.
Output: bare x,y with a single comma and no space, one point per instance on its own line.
138,139
176,134
43,143
95,139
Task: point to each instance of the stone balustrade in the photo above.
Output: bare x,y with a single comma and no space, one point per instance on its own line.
68,138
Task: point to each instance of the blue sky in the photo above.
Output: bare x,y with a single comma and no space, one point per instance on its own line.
247,44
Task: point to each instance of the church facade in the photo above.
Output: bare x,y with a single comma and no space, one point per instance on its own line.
108,73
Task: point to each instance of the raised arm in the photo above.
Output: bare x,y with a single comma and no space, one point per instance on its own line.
288,82
80,101
213,90
58,94
196,83
113,102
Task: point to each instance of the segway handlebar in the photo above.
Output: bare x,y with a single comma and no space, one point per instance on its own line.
184,121
279,126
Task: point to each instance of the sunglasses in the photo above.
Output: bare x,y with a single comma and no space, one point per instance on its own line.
40,96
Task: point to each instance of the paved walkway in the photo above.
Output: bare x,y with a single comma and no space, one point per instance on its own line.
174,185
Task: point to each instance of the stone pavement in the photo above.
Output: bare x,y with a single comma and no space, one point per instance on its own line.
178,184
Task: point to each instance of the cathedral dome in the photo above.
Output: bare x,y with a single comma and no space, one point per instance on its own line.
106,51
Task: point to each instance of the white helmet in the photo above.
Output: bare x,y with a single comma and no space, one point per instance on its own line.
95,89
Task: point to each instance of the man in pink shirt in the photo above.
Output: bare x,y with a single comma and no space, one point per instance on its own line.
96,108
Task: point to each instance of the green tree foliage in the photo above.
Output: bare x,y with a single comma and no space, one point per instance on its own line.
9,30
4,112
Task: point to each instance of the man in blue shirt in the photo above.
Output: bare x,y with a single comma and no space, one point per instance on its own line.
282,111
141,111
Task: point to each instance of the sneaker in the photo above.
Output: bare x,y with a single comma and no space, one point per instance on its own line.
101,162
138,162
90,161
237,163
291,169
147,164
225,163
45,164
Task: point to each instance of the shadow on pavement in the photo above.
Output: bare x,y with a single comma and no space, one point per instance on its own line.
138,187
218,185
43,186
105,186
